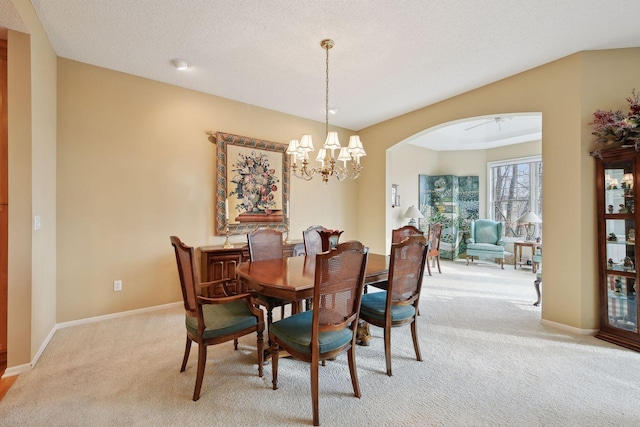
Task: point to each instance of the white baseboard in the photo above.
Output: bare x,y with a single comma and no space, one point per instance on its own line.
116,315
16,370
567,328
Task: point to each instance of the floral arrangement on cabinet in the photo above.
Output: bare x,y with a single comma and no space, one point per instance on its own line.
615,128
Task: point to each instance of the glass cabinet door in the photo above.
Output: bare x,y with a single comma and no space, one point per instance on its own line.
622,308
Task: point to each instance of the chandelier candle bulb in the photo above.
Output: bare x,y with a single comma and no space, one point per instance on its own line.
226,209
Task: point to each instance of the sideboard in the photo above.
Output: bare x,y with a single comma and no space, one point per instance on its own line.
217,262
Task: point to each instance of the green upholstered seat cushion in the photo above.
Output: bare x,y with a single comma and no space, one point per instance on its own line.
373,305
485,247
295,332
222,319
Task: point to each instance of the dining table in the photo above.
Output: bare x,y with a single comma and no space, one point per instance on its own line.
293,278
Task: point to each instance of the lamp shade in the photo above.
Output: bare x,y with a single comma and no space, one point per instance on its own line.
530,218
413,212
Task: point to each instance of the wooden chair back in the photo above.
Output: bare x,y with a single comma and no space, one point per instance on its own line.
399,234
312,240
188,273
264,244
434,233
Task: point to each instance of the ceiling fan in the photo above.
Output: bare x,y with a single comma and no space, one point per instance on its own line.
497,119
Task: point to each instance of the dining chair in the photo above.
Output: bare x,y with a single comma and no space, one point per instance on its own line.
399,234
329,328
398,304
433,254
223,315
265,244
312,240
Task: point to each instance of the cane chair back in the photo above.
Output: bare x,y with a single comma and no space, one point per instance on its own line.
399,234
264,244
312,240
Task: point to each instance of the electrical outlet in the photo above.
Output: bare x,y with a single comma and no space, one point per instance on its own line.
117,285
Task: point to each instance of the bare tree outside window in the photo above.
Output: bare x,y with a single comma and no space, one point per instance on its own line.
515,189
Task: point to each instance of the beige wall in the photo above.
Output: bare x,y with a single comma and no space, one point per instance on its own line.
558,90
136,166
32,188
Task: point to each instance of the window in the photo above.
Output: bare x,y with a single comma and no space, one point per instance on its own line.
515,187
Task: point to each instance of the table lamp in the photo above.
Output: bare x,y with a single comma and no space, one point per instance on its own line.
531,220
413,213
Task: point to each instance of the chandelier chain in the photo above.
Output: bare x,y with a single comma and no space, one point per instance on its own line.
326,110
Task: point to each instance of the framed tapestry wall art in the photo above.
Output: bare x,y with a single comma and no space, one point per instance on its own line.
252,184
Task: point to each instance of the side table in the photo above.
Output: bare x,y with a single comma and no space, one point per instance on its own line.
517,253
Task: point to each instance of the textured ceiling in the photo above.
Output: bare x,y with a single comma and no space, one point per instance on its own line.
390,57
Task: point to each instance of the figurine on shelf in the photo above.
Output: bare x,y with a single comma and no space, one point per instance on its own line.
631,237
612,237
610,208
628,263
610,263
623,209
617,284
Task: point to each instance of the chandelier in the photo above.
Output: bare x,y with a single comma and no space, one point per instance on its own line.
329,166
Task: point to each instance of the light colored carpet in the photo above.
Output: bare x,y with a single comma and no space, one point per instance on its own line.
488,361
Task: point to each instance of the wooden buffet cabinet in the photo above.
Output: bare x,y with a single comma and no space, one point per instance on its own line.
217,262
617,175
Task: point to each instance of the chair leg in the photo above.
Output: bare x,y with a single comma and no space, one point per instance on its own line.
428,266
202,359
438,261
536,283
468,259
235,344
416,343
187,350
314,392
387,348
351,354
275,350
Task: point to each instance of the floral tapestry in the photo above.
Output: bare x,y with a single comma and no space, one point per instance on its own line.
252,184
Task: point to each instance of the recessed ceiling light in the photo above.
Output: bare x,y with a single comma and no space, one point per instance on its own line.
180,64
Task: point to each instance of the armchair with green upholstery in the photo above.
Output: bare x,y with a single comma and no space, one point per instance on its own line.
485,241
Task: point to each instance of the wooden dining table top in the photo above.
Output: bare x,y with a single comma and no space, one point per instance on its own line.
293,278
